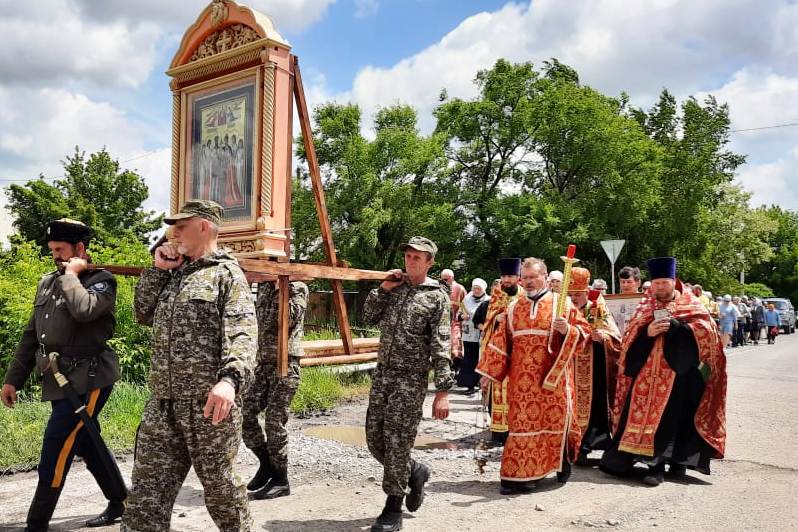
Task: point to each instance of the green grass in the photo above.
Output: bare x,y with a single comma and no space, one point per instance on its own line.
22,427
321,389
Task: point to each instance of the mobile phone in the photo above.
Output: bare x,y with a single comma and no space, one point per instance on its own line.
661,313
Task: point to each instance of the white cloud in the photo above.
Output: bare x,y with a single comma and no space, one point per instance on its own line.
156,169
773,182
615,45
41,127
366,8
742,51
53,43
288,15
760,97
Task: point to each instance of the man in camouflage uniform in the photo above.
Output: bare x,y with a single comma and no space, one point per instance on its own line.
413,315
203,348
73,315
272,392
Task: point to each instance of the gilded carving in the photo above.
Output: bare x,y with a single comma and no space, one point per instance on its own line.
223,40
218,13
242,246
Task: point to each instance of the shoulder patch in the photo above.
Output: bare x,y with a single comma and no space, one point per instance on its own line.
99,287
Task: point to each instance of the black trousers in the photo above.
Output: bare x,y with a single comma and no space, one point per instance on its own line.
65,437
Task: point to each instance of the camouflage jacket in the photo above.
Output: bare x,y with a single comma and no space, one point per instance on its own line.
267,304
415,329
73,316
204,326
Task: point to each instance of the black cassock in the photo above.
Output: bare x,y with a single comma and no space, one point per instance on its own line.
676,441
597,435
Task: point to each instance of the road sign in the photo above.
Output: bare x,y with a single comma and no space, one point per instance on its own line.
612,248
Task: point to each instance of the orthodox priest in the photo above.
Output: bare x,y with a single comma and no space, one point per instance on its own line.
670,401
507,292
595,366
533,349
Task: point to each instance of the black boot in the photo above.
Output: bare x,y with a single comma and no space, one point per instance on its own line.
276,487
419,475
655,475
390,520
565,474
42,508
582,460
515,487
265,471
112,512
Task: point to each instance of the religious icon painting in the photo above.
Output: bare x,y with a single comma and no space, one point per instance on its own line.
220,156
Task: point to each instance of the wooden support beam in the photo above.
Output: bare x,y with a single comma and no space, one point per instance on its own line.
358,358
282,334
321,207
263,271
312,271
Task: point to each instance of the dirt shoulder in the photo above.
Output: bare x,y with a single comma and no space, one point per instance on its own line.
336,486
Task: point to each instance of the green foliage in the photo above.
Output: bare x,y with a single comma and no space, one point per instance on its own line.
379,192
320,389
537,160
93,190
22,427
131,341
20,271
757,290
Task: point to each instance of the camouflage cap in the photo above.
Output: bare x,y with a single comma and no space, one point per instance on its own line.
210,210
419,243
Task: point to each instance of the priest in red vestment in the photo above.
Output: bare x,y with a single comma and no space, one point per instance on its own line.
595,366
670,398
534,350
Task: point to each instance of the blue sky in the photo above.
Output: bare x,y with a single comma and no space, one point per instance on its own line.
90,72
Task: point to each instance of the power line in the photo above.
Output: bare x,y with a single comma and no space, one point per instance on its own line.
791,124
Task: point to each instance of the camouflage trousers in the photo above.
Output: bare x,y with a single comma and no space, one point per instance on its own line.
173,436
394,412
273,394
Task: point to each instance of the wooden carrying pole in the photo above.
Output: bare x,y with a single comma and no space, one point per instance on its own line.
321,207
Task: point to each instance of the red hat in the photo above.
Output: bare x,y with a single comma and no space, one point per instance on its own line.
580,280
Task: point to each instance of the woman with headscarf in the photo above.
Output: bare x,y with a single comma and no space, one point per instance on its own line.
467,377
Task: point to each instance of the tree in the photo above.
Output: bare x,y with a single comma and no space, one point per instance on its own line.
95,191
780,271
490,146
379,192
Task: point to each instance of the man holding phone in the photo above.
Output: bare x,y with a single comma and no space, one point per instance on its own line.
413,314
204,341
670,396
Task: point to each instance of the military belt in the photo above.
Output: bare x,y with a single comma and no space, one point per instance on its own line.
74,351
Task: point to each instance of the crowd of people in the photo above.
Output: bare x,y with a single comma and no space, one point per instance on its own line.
560,378
561,384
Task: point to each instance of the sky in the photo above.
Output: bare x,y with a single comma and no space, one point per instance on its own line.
91,72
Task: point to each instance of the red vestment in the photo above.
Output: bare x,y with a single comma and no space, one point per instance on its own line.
599,318
499,301
651,388
538,363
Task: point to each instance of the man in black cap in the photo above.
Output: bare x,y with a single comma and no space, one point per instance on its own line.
670,394
73,316
488,318
413,313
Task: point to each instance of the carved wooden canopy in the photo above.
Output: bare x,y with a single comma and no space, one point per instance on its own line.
223,29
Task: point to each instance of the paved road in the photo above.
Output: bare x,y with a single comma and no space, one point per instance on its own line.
754,488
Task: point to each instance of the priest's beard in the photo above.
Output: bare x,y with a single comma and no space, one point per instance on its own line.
510,290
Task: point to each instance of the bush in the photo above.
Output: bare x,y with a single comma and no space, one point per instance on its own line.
320,389
20,271
22,427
